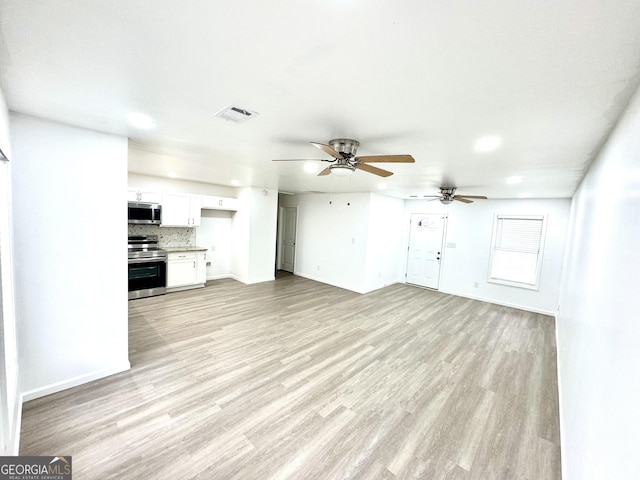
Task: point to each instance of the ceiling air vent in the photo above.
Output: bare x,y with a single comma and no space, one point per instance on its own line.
236,114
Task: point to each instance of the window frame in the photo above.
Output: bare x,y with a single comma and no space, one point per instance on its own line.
543,235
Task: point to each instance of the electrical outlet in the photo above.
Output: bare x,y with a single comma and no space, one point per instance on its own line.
318,268
475,284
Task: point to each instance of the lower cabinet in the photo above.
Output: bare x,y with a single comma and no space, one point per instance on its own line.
185,270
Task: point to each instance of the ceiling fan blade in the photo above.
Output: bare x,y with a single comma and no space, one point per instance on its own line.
462,199
375,170
326,171
479,197
301,160
431,196
326,149
386,159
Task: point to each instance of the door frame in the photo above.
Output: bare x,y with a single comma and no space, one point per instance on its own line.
280,236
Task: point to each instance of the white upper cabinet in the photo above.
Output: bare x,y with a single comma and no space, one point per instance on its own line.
181,210
141,196
219,203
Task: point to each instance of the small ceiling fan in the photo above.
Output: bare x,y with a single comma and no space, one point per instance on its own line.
345,162
447,195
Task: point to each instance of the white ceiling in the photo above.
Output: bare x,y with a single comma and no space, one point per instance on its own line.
427,78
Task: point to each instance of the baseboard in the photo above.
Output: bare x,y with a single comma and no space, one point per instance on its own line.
380,287
74,382
261,280
362,292
220,277
504,304
184,287
320,280
247,282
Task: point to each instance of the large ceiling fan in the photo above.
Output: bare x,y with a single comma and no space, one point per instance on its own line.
447,195
345,162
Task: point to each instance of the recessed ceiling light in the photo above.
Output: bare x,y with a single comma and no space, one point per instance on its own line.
140,120
172,174
525,195
486,144
235,182
514,180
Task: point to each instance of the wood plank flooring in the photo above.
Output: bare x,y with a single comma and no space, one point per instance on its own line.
295,379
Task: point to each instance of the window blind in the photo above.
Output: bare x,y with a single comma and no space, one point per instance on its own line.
518,234
517,244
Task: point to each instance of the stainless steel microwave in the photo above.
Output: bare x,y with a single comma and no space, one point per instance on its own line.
145,213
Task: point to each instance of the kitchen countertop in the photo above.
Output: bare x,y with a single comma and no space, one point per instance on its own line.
184,249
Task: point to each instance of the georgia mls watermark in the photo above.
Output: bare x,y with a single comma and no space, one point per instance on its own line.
35,468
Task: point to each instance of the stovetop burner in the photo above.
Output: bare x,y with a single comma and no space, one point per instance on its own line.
144,246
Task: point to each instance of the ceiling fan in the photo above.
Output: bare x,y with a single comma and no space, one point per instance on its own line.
447,195
345,162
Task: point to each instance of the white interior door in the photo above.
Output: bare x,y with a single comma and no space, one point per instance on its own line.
289,219
425,248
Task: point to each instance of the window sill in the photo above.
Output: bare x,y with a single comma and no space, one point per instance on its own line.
513,284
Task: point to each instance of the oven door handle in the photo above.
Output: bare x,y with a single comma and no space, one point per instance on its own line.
147,260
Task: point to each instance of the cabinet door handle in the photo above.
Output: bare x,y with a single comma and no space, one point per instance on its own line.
194,264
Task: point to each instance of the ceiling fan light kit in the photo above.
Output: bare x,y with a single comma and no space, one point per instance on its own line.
345,162
342,170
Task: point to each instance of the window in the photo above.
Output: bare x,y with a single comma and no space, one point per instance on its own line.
516,250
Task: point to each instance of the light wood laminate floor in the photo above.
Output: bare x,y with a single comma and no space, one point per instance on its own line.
297,379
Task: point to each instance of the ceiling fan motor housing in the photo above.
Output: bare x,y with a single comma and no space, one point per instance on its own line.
345,146
447,195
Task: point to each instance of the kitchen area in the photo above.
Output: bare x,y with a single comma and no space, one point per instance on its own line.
177,240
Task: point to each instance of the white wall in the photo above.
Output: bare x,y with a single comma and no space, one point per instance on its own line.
350,240
331,239
150,183
240,237
5,144
384,242
69,196
10,403
254,235
359,242
470,228
215,233
598,324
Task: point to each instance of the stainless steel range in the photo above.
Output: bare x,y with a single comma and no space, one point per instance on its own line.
147,267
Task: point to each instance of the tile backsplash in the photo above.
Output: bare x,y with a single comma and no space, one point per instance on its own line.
167,236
